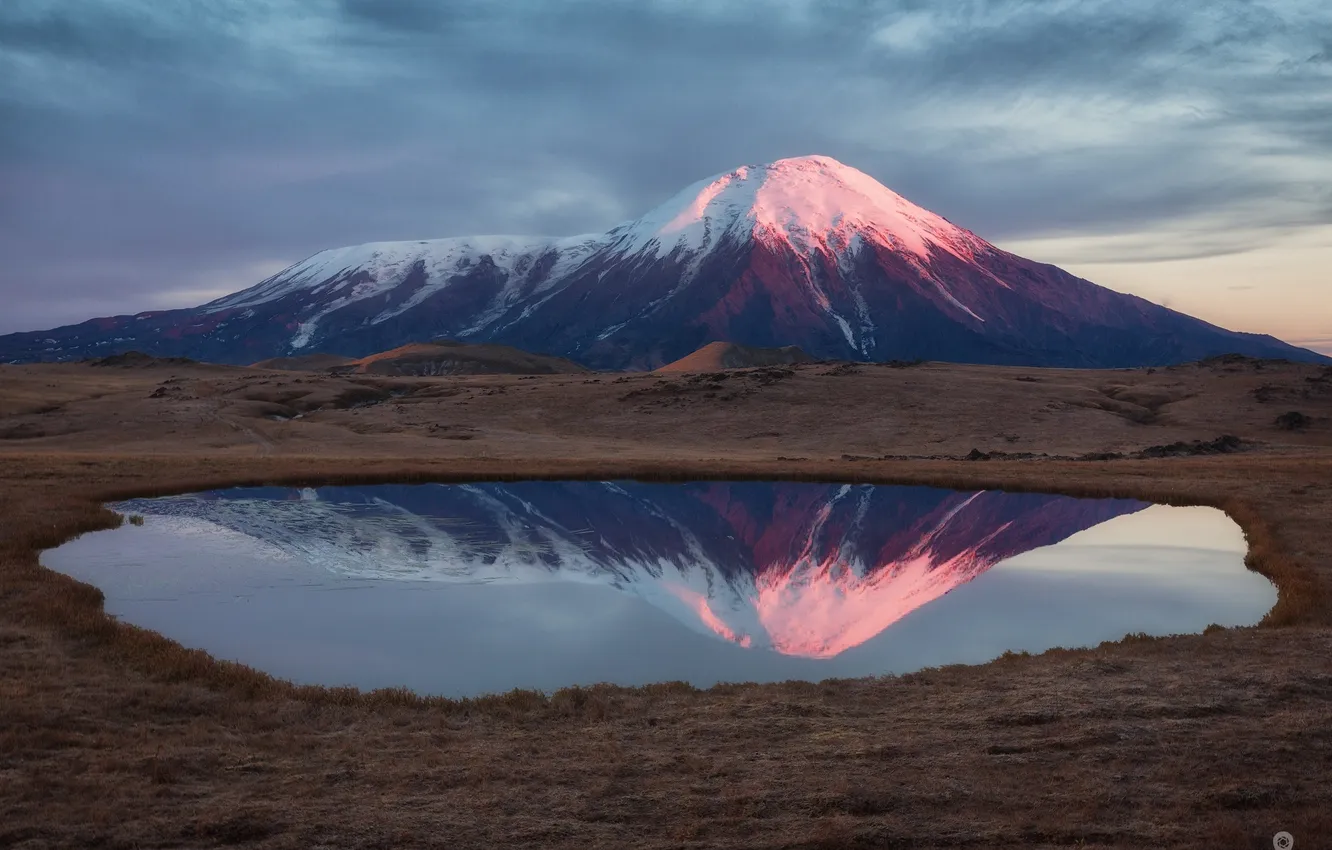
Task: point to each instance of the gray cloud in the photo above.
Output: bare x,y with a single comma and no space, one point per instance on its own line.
150,151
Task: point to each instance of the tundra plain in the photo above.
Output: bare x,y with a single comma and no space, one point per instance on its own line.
114,737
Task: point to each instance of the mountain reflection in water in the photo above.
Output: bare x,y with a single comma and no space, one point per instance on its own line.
805,570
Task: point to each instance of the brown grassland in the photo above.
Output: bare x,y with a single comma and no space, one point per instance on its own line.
115,737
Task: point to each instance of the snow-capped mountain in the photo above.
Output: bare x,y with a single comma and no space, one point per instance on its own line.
805,251
801,569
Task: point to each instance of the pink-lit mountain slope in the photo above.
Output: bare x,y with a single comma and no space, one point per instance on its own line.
803,252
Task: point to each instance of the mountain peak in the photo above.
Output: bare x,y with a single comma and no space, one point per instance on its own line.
814,203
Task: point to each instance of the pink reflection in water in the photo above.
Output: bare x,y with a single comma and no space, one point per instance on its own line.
810,598
699,603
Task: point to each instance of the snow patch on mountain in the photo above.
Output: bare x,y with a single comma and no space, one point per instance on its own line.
383,266
386,263
814,203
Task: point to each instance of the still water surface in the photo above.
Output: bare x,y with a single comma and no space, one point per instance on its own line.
468,589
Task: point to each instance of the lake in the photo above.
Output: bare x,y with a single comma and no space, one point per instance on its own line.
464,589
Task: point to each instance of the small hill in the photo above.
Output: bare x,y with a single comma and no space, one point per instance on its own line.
727,355
305,362
139,360
446,357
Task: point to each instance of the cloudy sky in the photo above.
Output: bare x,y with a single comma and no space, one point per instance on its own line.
158,154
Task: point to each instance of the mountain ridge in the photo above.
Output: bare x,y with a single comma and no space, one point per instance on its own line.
803,252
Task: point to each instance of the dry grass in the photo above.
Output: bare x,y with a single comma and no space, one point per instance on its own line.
113,736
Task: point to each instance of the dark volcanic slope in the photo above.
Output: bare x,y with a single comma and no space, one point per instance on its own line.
803,252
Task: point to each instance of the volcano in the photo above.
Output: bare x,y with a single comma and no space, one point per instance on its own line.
803,252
